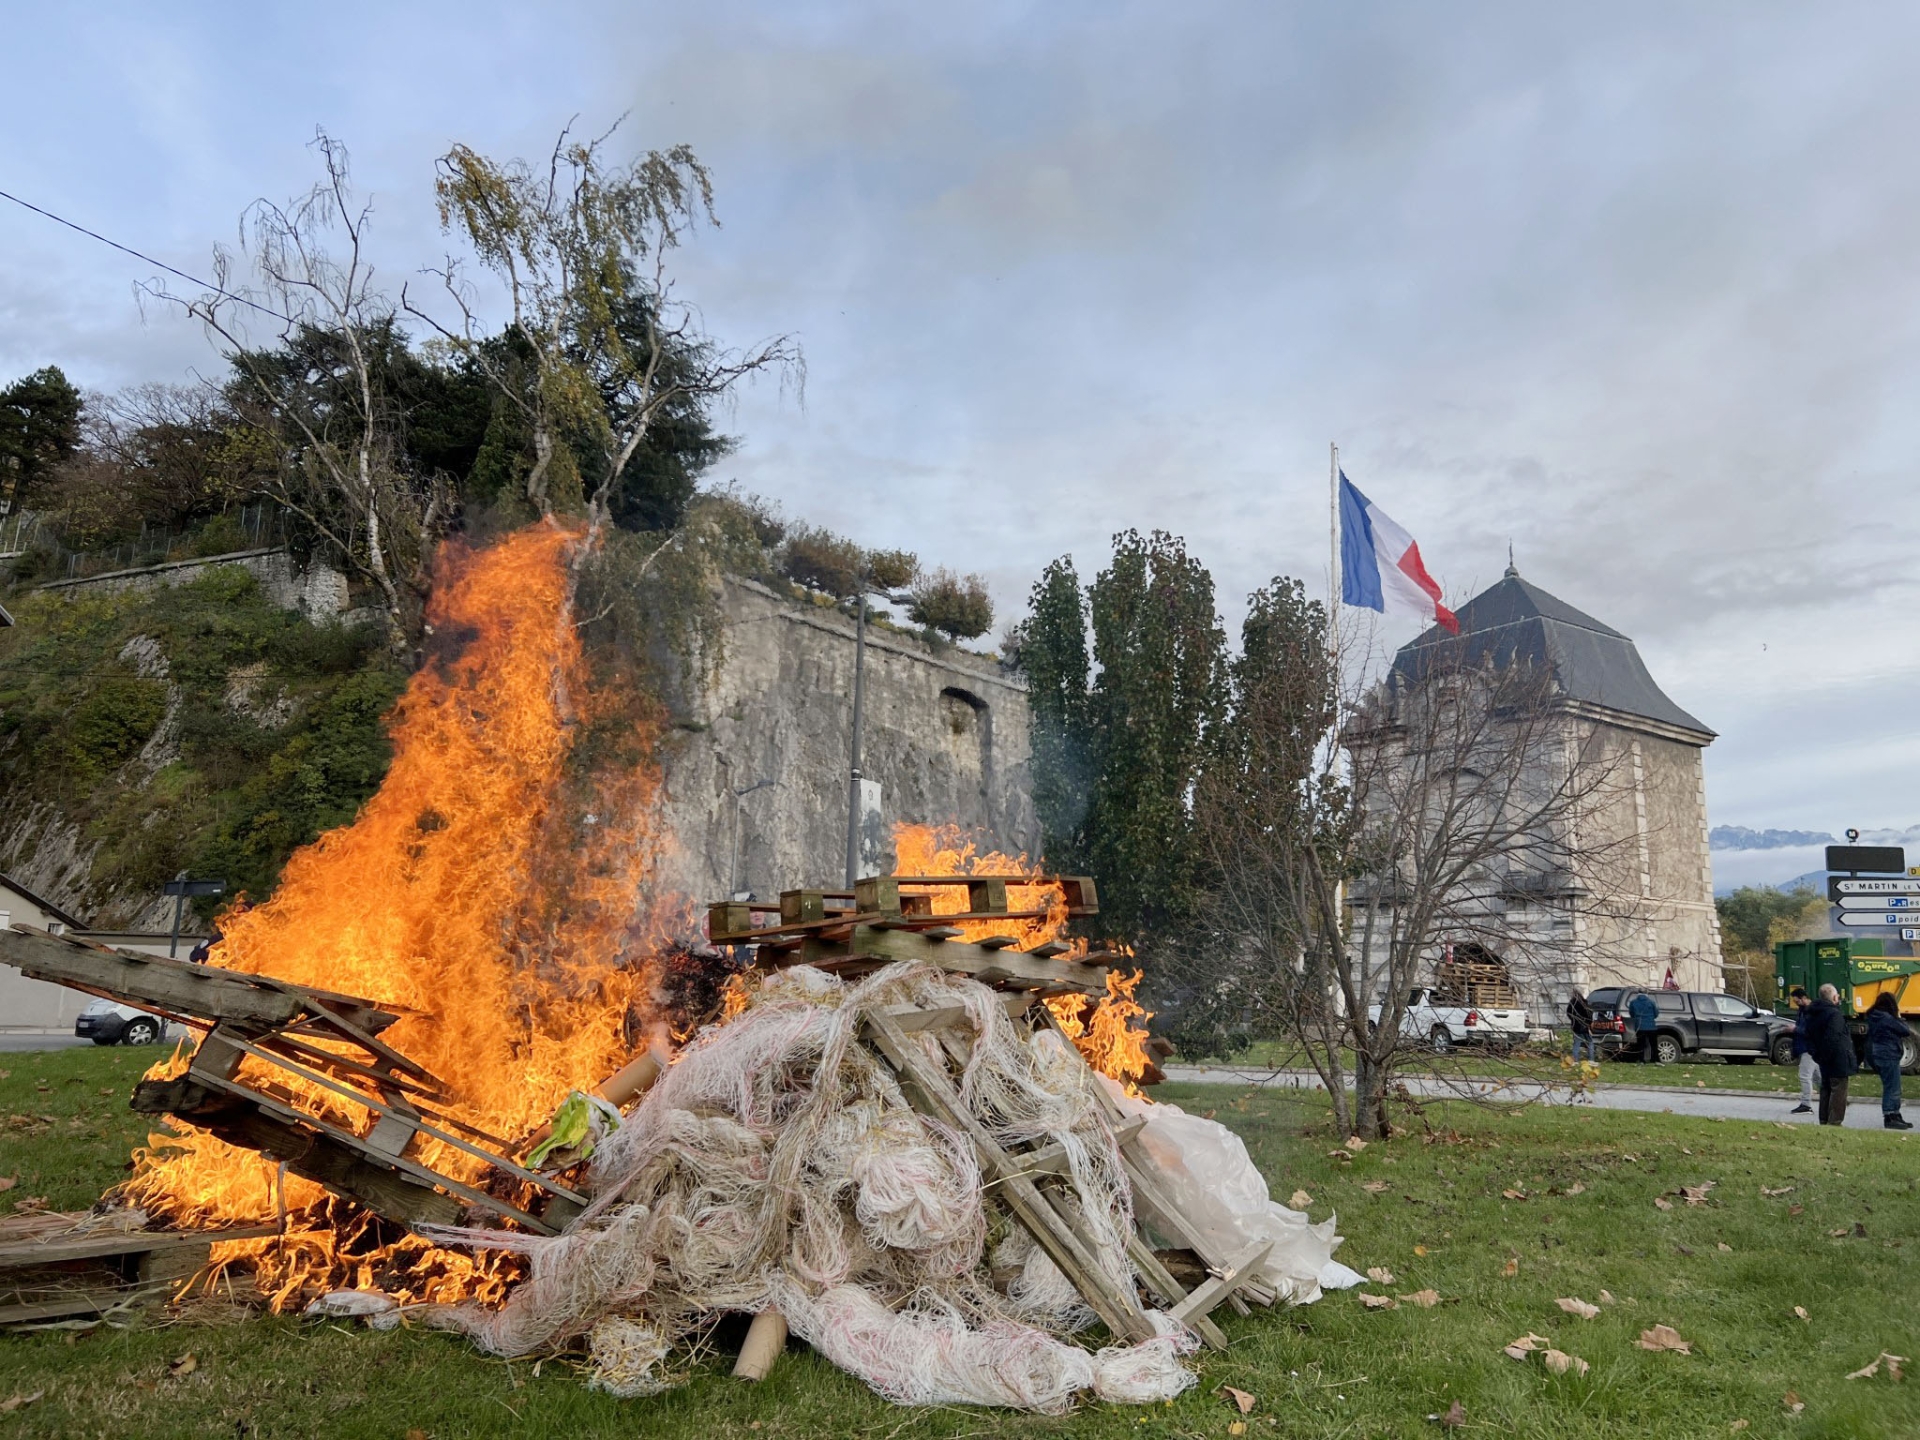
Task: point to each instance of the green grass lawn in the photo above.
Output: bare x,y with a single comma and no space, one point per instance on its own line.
1332,1369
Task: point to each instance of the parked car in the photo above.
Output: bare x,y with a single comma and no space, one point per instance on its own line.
1445,1026
1693,1023
105,1022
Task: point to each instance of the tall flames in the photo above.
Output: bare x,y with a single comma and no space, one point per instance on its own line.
492,891
1112,1035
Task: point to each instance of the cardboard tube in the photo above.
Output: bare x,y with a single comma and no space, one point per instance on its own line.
766,1338
633,1079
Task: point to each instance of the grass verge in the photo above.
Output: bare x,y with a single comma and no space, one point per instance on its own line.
1432,1207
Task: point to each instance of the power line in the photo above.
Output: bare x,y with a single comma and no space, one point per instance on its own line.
128,250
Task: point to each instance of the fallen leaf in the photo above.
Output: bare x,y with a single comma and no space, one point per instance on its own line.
1240,1398
1662,1203
1455,1416
1356,1144
1866,1372
1425,1299
1575,1306
1514,1194
1238,1427
106,1090
7,1182
1419,1249
1774,1194
1524,1346
1576,1188
184,1366
1559,1362
1859,1230
1377,1302
1737,1425
1339,1154
1376,1187
1793,1402
1723,1247
32,1202
1510,1269
1837,1234
1801,1311
1685,1151
1606,1298
15,1402
1299,1200
416,1435
1664,1337
1892,1362
1695,1194
1379,1274
1796,1209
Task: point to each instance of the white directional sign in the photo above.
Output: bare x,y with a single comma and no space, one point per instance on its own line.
1880,902
1876,917
1876,887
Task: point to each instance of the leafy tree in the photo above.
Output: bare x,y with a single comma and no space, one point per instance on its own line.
1050,648
1750,914
957,606
39,427
604,355
1132,748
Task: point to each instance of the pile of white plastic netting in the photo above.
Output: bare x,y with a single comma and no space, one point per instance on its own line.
777,1165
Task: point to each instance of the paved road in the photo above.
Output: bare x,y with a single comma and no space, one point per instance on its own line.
1863,1113
39,1042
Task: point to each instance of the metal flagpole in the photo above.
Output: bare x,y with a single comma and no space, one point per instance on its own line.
1333,552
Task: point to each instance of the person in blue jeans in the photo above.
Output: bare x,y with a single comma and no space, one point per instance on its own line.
1887,1034
1809,1072
1580,1020
1646,1016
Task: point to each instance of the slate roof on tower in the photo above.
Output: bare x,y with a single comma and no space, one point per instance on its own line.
1593,664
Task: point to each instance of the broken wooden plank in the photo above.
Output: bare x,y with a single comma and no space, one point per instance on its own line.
151,982
1170,1291
58,1249
1218,1287
1052,1159
956,957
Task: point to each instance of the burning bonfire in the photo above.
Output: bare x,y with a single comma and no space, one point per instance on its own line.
904,1120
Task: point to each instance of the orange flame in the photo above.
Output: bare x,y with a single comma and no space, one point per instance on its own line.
1113,1037
493,891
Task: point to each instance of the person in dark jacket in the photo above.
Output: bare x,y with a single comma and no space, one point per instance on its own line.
1887,1034
1809,1072
1832,1050
1645,1016
1580,1017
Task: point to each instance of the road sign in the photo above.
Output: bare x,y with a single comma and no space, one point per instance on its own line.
1910,934
1875,859
1862,918
1837,887
1880,902
194,887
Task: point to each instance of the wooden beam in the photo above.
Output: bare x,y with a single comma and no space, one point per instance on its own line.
919,1077
1218,1287
1169,1290
957,957
26,1254
149,981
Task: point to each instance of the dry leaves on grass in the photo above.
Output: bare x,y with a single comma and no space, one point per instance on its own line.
1240,1398
1299,1200
1524,1346
1419,1249
1379,1274
1664,1337
1737,1426
1723,1247
1356,1144
1425,1299
183,1367
1661,1202
18,1402
1376,1187
1376,1302
1773,1194
1510,1269
1573,1305
1559,1362
1576,1188
1695,1194
7,1182
1793,1402
1455,1417
1796,1209
1871,1369
1606,1298
1801,1311
1514,1194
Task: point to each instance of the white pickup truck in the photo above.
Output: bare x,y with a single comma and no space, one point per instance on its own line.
1446,1027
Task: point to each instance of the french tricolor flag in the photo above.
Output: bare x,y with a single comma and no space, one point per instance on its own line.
1380,566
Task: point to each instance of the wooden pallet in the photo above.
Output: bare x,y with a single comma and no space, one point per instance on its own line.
54,1267
316,1036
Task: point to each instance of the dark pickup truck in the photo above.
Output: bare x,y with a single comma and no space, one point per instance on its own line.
1692,1023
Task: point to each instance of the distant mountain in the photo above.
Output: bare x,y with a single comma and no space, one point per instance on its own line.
1739,837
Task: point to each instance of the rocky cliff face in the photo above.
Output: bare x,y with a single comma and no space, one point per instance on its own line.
946,739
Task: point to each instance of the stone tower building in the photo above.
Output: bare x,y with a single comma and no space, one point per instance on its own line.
1646,909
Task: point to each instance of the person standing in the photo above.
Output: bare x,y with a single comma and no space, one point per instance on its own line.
1886,1037
1809,1072
1646,1016
1832,1050
1580,1017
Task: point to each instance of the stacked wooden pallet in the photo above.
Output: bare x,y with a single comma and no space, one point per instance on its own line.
56,1266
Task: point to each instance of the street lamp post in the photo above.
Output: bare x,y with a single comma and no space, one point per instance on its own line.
866,587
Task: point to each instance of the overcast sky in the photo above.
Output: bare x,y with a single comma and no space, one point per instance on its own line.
1633,287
